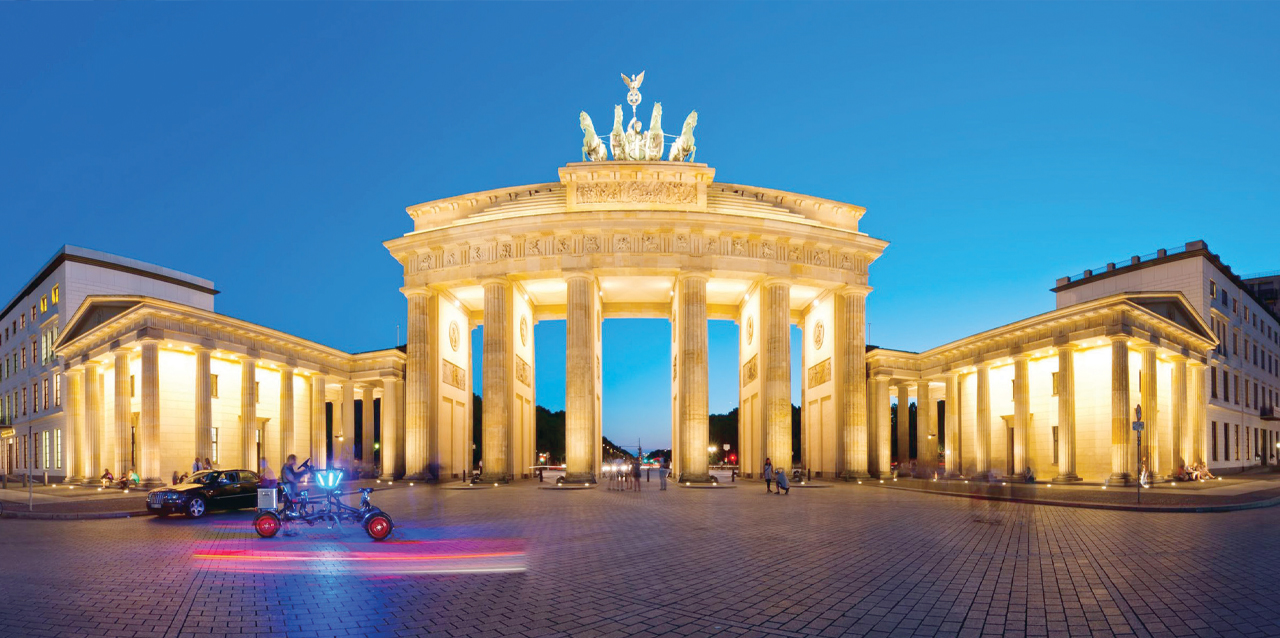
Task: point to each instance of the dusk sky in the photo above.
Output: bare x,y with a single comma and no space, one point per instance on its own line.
273,147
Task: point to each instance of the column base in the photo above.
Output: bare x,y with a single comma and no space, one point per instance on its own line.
982,476
954,475
1123,478
580,477
495,478
1067,478
72,480
695,478
854,475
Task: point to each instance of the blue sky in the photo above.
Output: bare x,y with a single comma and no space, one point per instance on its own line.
998,146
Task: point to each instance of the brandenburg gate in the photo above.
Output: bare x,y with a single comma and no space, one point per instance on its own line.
634,236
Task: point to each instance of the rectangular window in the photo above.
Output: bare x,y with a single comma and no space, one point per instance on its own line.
22,322
24,401
44,303
1055,393
35,450
35,397
44,449
57,450
1237,392
1235,343
213,385
1213,436
33,313
1213,383
214,439
1237,441
44,391
1055,442
1213,288
24,357
57,390
55,294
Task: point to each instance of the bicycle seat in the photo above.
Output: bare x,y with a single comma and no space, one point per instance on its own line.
366,490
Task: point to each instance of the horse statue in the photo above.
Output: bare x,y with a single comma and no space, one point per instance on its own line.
616,140
683,146
592,147
655,141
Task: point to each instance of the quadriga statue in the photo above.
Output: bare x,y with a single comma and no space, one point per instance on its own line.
617,141
683,147
654,136
592,147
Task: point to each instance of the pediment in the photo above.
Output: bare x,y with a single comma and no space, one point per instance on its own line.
93,313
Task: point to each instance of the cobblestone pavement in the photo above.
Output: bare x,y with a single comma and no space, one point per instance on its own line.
522,561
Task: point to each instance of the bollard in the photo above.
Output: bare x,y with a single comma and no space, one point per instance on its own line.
809,474
539,475
733,476
648,473
46,478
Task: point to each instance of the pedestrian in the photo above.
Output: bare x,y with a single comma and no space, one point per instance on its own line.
635,473
768,475
290,476
197,466
664,468
175,477
107,477
266,476
207,464
783,485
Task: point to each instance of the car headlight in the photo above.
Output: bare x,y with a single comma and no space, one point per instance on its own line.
172,497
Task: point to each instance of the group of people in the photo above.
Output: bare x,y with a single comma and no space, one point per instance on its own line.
1194,472
775,475
625,476
127,480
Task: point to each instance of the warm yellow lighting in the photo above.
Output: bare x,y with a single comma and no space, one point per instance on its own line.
495,484
1048,484
802,482
411,485
881,480
711,448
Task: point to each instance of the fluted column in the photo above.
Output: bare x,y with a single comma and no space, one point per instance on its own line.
149,417
775,334
319,437
880,444
248,413
1193,436
204,405
903,454
1066,414
74,380
1150,407
691,342
367,453
1178,424
496,424
392,429
287,441
1121,454
982,428
347,430
417,387
951,400
123,405
580,378
91,448
854,434
1021,412
926,455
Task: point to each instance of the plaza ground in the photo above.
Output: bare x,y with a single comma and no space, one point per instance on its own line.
524,561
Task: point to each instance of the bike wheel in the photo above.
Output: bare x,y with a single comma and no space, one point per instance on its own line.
378,526
266,524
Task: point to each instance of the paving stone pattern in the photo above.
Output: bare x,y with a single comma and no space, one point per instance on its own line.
856,561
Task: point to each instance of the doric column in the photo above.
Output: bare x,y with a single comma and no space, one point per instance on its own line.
319,437
775,334
1193,436
248,413
417,431
1021,412
854,434
203,405
124,460
1178,424
951,454
496,424
881,440
91,448
903,453
367,452
1150,407
392,429
149,417
1066,414
982,428
1121,454
346,459
580,377
691,342
926,454
74,381
287,441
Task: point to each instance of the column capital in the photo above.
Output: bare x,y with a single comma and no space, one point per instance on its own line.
1022,356
1146,346
983,365
882,376
777,281
1196,363
855,290
578,273
411,293
1119,338
951,374
693,274
490,281
1067,347
1178,357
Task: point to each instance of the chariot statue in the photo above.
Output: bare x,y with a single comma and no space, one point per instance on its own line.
632,142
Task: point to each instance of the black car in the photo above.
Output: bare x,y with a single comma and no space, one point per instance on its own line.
205,491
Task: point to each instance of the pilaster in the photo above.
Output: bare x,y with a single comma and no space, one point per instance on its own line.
1121,454
691,352
248,413
287,440
149,417
417,431
1021,412
496,422
951,453
855,433
1066,414
926,454
580,377
982,428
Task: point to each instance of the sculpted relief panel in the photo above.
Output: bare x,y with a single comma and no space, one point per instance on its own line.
642,192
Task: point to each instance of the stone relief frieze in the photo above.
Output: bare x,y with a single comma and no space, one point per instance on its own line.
453,375
504,251
451,259
477,254
820,373
739,247
522,372
622,243
639,192
593,244
533,247
750,370
767,250
564,245
682,242
652,244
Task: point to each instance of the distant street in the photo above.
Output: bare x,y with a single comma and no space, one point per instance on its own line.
523,561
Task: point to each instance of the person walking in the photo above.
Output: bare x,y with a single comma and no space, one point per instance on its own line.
768,475
197,466
783,484
664,468
635,473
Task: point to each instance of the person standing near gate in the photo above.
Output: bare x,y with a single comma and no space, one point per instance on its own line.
664,468
635,473
768,475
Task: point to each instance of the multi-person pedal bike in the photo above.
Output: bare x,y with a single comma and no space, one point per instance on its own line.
277,507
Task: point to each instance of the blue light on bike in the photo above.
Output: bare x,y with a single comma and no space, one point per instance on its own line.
328,480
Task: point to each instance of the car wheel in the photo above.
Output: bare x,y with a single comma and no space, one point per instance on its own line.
196,508
267,524
378,526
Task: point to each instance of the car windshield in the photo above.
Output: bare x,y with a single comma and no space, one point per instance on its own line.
200,478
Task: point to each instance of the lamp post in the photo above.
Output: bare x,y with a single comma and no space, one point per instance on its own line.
1138,426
